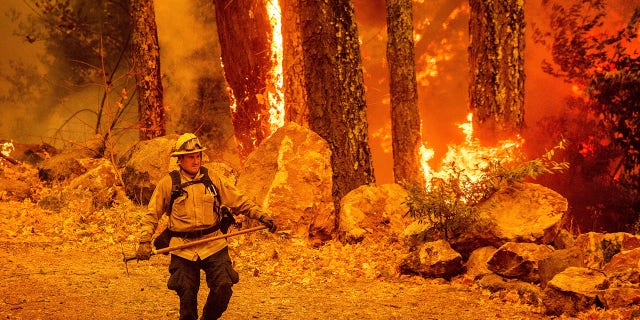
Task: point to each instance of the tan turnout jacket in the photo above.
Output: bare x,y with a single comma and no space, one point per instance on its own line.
194,211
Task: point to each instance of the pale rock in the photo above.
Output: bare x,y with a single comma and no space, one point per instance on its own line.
433,260
290,176
371,209
574,290
526,212
477,263
521,212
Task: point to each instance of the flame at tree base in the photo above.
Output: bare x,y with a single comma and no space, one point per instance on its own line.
470,157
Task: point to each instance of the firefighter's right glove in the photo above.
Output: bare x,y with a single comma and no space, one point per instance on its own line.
144,251
268,222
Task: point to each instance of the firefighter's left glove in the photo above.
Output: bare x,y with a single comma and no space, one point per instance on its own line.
268,222
144,251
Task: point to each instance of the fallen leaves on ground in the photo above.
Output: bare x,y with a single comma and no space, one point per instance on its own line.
289,276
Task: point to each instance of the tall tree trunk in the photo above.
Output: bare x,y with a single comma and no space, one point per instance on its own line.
245,36
496,60
335,90
405,115
146,61
295,97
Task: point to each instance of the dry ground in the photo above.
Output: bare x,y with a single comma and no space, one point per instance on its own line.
41,281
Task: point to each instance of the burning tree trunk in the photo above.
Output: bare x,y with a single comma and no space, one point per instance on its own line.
146,61
295,97
335,90
245,40
496,60
405,115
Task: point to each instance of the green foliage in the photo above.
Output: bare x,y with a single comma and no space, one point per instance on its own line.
449,205
80,35
87,46
444,206
609,249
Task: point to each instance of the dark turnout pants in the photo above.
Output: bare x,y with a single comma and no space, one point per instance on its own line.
185,281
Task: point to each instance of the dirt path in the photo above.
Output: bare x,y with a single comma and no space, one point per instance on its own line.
43,281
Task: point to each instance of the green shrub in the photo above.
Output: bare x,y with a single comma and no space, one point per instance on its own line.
449,204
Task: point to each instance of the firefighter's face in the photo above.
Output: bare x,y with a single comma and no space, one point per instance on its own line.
190,162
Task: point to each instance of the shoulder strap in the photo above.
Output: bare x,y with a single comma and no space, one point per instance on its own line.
176,185
208,183
176,188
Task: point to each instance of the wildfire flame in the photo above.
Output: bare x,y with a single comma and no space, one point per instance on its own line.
275,95
6,149
470,156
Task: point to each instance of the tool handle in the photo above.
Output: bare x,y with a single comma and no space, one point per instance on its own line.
205,240
193,243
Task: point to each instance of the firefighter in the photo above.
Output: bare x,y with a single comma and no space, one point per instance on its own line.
193,213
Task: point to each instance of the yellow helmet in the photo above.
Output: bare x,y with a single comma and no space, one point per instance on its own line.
187,143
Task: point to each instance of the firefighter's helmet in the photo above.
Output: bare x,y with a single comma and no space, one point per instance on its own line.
187,143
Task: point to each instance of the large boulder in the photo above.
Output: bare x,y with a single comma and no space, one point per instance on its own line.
519,260
100,181
433,260
526,212
97,188
574,290
520,212
623,261
290,174
372,209
143,166
65,165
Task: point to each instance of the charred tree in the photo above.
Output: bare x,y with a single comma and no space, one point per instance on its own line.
405,115
146,61
335,90
295,97
245,41
496,61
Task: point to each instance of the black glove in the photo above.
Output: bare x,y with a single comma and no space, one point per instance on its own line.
268,222
144,251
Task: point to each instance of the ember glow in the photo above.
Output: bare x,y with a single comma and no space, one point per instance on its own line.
6,149
274,91
470,157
